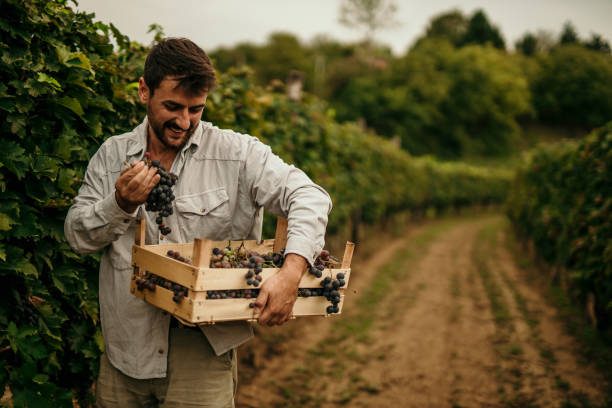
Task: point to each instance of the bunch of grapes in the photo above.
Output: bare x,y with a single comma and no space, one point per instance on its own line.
308,292
161,197
243,258
324,260
232,294
176,255
150,281
330,291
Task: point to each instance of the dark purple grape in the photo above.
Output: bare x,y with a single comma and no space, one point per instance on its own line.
324,255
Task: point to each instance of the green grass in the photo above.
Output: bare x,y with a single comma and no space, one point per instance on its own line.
486,240
509,374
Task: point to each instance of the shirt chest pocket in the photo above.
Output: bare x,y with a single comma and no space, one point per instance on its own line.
204,215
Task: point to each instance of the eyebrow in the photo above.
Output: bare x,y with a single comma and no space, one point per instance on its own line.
179,105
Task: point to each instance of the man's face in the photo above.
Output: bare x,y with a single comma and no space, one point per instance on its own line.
173,113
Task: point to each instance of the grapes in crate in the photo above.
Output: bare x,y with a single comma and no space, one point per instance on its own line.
240,257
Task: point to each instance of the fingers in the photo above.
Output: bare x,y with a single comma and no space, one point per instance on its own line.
133,168
268,313
146,179
135,183
272,310
141,175
128,174
260,305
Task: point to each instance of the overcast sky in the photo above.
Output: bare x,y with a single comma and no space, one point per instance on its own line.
215,23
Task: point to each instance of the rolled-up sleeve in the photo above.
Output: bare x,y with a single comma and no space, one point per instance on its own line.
285,190
95,219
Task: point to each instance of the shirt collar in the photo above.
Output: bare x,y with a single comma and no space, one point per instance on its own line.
139,143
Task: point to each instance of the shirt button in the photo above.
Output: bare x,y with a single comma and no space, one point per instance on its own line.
161,237
202,209
160,351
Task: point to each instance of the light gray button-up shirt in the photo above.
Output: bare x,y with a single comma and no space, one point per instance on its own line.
225,179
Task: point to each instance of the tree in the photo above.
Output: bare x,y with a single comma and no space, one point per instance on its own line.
282,53
451,25
597,43
480,31
487,95
439,99
574,87
241,54
527,45
369,15
546,40
568,35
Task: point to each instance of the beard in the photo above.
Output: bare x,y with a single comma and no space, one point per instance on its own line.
159,130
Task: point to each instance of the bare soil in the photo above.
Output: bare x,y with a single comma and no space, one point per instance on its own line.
440,316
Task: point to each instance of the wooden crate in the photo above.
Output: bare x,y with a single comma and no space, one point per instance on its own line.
199,278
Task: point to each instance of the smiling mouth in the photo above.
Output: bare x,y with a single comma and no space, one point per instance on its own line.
176,131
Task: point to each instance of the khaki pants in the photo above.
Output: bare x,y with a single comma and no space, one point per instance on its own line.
196,378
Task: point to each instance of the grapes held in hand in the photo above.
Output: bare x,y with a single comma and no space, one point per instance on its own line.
161,197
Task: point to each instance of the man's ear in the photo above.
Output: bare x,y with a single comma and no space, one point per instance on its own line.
143,91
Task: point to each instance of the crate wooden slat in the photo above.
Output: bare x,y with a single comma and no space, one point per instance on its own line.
200,278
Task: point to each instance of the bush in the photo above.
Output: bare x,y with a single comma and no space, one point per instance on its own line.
61,93
561,199
574,87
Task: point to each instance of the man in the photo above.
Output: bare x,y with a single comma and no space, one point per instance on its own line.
224,181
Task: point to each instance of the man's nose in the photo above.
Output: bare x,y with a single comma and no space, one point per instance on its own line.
183,119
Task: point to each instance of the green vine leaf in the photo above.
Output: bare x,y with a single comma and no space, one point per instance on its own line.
72,104
42,77
5,224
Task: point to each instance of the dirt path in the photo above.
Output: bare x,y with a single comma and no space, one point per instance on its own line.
440,317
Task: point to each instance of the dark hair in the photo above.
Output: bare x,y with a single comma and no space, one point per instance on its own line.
183,59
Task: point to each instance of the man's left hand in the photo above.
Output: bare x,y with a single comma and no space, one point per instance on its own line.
279,292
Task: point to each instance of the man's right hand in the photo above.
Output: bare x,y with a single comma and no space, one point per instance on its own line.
134,185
